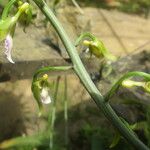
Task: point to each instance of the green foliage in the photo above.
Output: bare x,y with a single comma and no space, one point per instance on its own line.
135,6
26,142
3,2
94,137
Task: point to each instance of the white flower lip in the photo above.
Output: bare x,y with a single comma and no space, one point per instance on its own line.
44,96
8,48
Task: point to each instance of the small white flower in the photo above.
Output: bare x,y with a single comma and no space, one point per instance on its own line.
44,96
8,47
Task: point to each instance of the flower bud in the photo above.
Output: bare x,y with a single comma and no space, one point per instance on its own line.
86,42
130,83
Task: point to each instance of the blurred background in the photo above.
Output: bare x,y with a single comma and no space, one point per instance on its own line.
124,28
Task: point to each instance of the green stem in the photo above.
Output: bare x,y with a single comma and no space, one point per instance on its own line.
116,86
7,9
66,112
46,69
53,115
86,80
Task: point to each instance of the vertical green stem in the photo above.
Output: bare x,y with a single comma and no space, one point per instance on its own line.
66,111
86,80
53,115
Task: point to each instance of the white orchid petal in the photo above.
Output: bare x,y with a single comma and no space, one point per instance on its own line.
87,50
8,48
44,96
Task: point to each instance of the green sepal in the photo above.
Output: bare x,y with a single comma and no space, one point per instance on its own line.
116,140
5,26
36,90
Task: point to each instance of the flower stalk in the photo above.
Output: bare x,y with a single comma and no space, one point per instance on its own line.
124,78
66,110
52,116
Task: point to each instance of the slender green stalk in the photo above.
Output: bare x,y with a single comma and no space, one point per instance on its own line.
78,7
86,80
66,111
53,115
126,76
7,9
52,68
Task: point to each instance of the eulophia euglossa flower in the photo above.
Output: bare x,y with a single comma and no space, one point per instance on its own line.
95,46
40,89
7,28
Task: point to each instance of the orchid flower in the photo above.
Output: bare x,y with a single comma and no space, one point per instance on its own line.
40,89
95,46
7,28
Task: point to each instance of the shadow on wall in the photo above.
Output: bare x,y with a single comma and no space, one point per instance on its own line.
11,115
